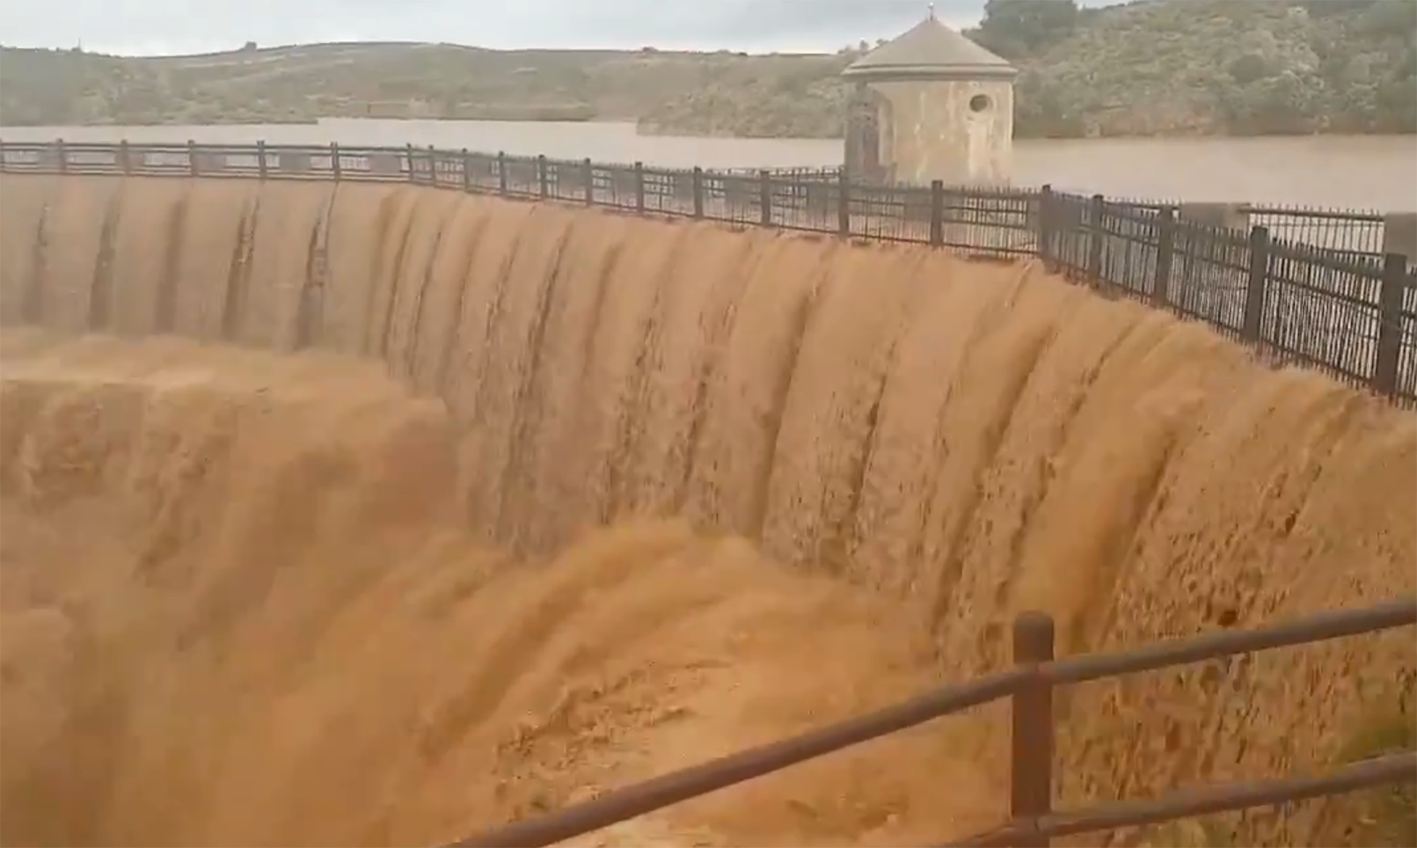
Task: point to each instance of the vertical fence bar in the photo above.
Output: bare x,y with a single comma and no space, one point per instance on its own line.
1256,285
1165,251
543,179
1031,741
502,173
192,168
261,159
412,169
125,161
589,174
937,213
335,170
843,204
1390,324
1046,221
62,158
1097,210
698,186
765,198
432,165
640,188
466,160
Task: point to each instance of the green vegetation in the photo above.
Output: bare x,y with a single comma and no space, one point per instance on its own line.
1215,67
1155,67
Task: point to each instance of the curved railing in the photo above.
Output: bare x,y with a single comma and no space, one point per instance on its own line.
1350,314
1089,239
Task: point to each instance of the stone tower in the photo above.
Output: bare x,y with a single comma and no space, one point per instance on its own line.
930,105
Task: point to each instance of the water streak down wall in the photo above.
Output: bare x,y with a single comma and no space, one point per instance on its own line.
973,439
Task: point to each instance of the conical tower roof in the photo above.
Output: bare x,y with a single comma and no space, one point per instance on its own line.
930,50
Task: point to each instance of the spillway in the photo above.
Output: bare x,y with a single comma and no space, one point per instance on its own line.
373,514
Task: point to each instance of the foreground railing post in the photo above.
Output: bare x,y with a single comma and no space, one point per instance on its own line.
1031,756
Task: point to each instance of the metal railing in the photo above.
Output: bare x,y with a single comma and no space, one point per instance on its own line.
1346,312
1030,686
1351,316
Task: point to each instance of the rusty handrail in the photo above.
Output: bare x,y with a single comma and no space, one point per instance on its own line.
1319,627
1033,820
1206,800
745,765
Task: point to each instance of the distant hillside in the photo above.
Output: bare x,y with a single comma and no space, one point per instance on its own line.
1156,67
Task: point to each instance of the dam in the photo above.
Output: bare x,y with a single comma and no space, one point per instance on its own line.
542,501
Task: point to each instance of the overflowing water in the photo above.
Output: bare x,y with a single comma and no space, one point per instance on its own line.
283,599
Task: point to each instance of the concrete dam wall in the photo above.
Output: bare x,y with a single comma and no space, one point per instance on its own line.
487,507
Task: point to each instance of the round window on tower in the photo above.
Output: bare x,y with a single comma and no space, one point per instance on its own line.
979,103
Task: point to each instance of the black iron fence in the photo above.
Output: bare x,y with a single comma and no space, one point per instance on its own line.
1338,307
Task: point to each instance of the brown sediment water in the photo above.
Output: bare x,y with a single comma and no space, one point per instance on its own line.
563,499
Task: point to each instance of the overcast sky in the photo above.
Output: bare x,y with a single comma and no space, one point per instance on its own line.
147,27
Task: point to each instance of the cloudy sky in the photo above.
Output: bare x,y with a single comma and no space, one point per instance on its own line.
146,27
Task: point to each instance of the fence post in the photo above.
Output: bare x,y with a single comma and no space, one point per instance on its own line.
335,170
698,186
639,188
1390,324
589,167
261,160
63,160
466,171
765,198
408,152
937,213
432,165
125,163
1046,215
543,183
1257,284
1031,755
192,169
502,173
1096,212
843,204
1165,250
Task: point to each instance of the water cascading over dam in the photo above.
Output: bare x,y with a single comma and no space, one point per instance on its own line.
556,500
